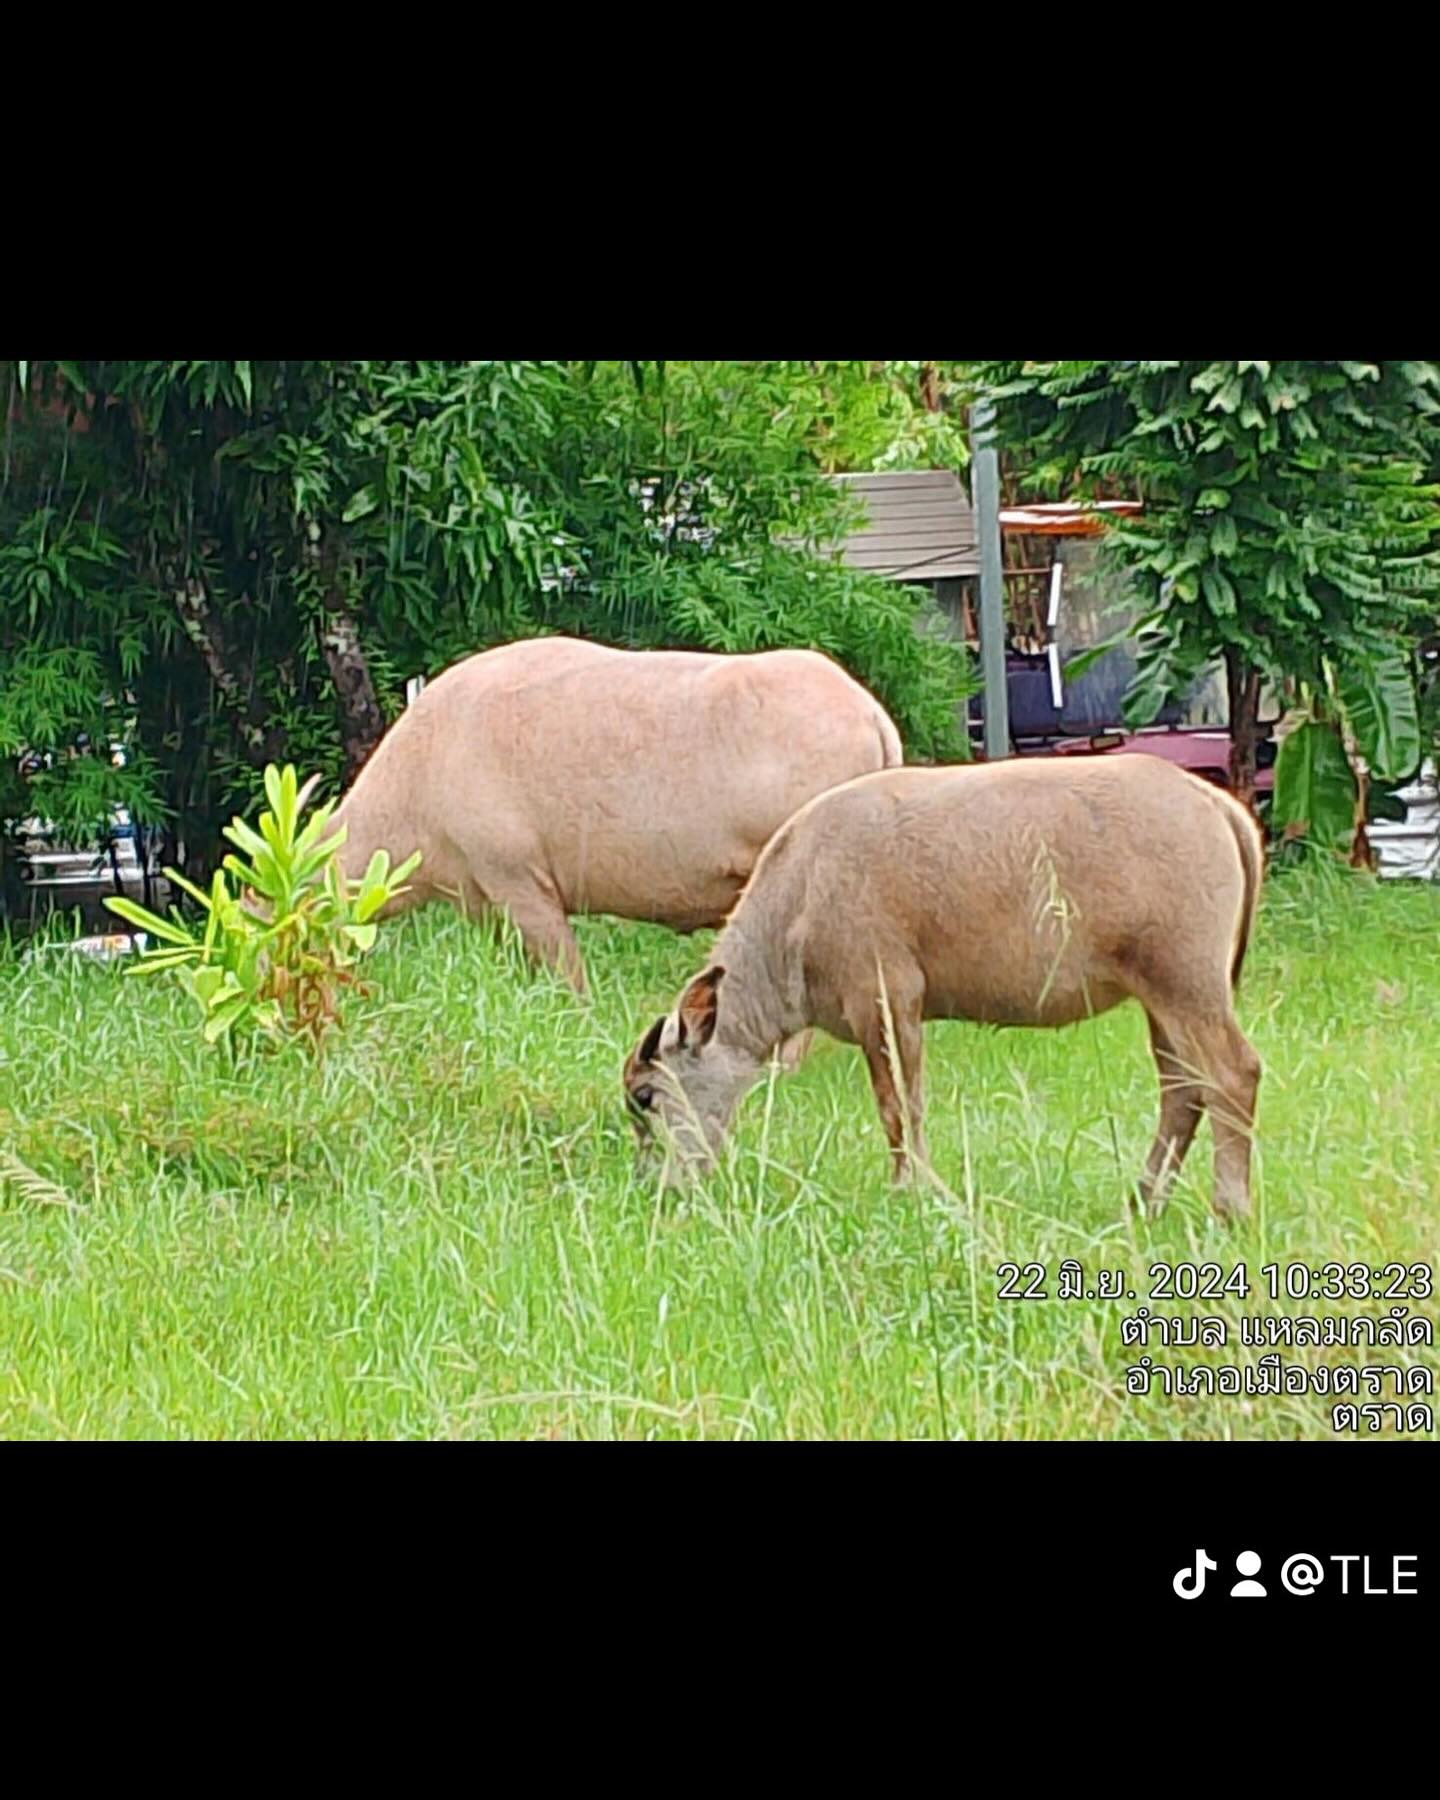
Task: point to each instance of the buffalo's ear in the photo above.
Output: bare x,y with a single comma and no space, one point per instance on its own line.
650,1046
699,1008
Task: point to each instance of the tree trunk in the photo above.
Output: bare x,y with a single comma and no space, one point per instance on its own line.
362,722
1362,853
263,741
930,387
1243,686
190,835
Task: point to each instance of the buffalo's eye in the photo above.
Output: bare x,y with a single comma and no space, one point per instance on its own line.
645,1096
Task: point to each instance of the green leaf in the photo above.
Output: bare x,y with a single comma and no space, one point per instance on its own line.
157,962
246,838
1314,786
314,828
268,1016
319,856
1219,593
1384,714
207,983
262,876
1151,687
190,888
225,1017
280,790
1228,398
1087,659
134,914
361,503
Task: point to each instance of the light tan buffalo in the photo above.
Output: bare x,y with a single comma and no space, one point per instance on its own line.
1016,893
553,777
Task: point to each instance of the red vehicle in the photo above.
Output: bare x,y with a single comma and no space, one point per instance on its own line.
1202,749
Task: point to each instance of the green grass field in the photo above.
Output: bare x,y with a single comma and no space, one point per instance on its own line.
437,1231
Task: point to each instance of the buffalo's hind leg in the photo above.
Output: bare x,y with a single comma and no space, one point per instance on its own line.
1235,1084
1206,1065
1182,1101
899,1095
544,929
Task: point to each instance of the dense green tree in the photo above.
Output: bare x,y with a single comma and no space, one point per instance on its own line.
1288,526
225,563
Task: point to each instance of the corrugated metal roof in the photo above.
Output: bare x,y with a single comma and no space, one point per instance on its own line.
918,526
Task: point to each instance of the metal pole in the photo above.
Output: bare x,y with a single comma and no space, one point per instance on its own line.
992,588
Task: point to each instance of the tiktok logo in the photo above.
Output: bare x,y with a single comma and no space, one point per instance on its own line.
1189,1584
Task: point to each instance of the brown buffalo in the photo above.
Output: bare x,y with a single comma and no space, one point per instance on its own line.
553,777
1017,893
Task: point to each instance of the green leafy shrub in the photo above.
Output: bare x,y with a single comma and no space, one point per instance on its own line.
224,565
1289,524
281,945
